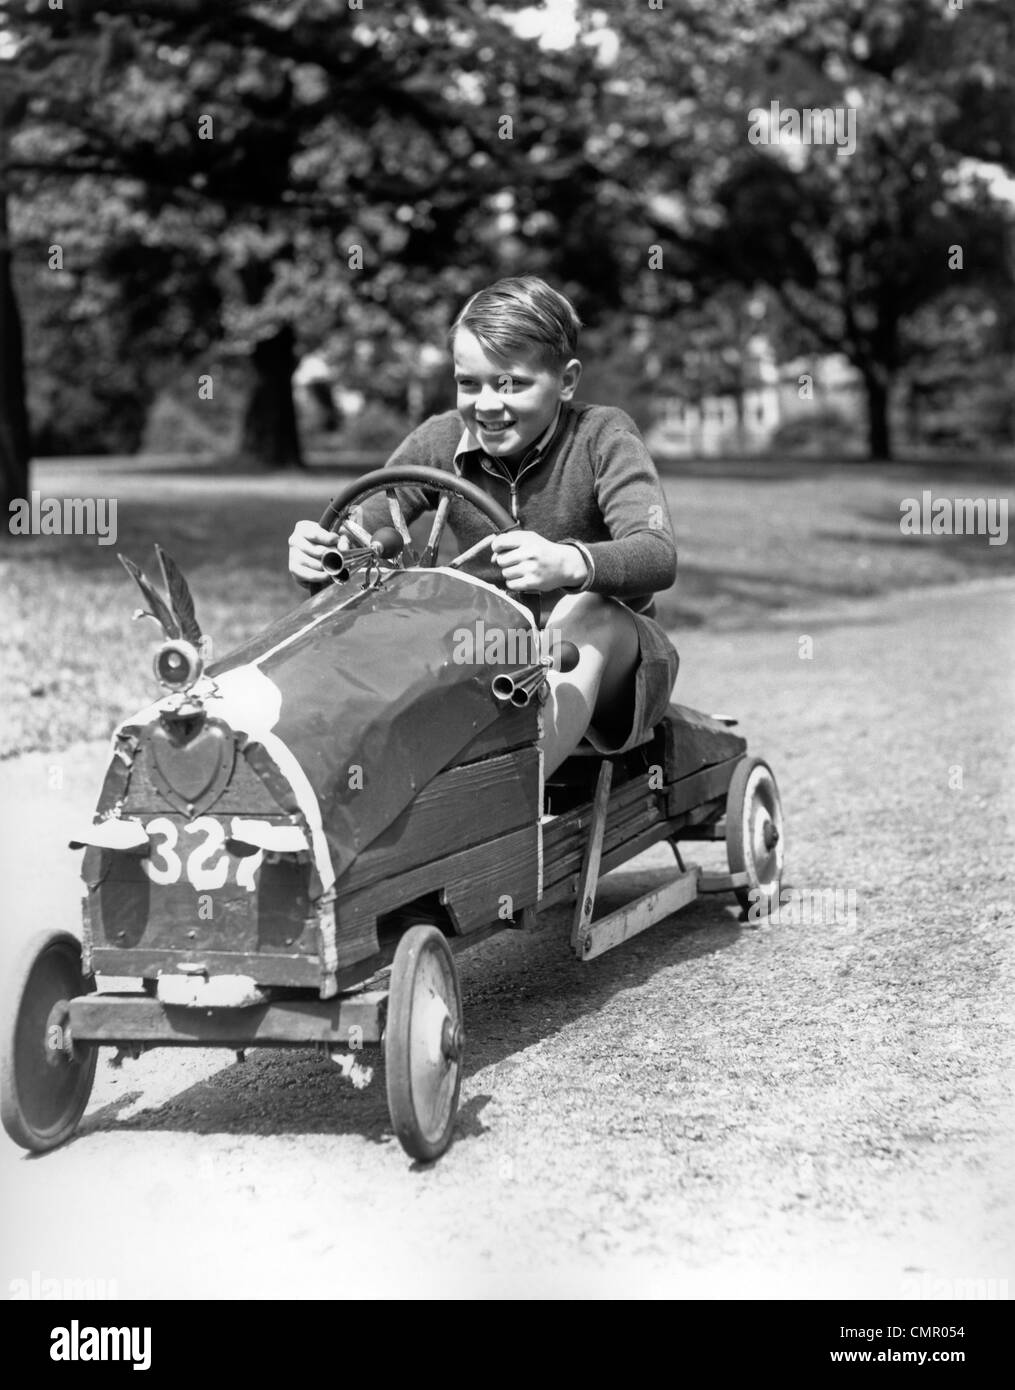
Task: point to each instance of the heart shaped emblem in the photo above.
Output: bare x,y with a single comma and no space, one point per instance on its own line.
192,775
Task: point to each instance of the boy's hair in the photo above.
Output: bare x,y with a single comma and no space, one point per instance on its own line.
519,315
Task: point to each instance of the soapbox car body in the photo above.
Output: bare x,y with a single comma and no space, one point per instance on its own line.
291,845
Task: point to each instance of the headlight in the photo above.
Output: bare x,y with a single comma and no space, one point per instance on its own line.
178,664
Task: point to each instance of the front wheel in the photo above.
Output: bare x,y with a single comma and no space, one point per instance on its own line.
46,1078
754,835
423,1043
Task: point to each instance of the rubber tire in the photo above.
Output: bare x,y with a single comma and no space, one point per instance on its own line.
422,1096
41,1103
749,776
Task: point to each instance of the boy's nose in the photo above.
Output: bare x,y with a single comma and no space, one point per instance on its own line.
488,399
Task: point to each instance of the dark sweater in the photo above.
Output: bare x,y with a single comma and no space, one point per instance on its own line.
596,484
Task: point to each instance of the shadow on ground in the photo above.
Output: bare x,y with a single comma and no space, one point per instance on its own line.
519,990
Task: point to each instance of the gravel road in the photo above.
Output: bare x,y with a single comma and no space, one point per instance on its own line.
796,1110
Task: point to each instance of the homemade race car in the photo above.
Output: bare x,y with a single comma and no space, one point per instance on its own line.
292,843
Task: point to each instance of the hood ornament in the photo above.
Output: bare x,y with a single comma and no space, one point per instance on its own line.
180,659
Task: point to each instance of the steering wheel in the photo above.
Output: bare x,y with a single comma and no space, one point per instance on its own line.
336,518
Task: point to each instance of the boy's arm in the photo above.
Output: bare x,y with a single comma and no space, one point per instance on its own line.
641,558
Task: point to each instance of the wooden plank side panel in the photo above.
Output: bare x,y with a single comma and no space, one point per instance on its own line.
565,827
633,808
459,808
472,882
636,840
578,834
700,787
694,740
617,849
498,884
568,856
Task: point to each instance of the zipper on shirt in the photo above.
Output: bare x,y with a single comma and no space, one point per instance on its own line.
527,465
512,482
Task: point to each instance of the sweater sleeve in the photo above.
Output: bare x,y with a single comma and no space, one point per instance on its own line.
641,557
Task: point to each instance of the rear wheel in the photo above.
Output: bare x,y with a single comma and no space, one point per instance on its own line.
46,1078
754,836
423,1043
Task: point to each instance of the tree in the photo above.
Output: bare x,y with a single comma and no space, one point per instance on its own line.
14,436
319,152
855,244
852,242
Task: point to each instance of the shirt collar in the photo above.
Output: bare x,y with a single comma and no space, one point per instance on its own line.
470,444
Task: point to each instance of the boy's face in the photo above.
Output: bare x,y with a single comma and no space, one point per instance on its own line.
508,405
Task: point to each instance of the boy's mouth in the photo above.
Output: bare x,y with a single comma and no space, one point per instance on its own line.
494,427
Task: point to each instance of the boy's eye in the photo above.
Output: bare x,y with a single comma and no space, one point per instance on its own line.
504,385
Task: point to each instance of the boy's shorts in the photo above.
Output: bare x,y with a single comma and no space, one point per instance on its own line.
654,678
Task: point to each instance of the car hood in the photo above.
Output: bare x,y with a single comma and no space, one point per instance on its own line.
360,700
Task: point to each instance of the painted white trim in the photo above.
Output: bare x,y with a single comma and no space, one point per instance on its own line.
266,835
308,626
115,833
482,584
306,798
413,569
221,991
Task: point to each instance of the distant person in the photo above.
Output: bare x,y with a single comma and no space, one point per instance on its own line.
598,539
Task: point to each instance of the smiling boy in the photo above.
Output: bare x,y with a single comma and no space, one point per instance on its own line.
596,540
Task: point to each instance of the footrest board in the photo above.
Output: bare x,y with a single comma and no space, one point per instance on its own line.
638,916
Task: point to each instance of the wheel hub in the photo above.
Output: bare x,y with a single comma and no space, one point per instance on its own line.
452,1040
435,1023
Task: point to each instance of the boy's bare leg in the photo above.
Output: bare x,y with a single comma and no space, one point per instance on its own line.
607,638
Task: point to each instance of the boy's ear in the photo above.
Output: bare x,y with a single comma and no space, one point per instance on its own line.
569,377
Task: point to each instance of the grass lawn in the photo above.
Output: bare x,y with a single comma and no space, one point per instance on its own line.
759,542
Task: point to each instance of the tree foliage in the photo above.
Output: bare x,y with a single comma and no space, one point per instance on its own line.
242,181
271,171
853,243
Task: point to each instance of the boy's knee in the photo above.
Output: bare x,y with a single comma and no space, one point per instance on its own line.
581,613
594,621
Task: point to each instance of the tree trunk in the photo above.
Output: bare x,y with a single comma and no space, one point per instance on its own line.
270,436
879,430
15,447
